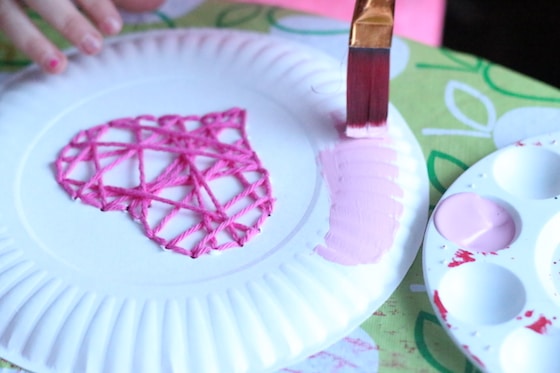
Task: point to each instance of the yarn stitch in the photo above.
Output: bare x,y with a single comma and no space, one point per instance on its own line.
199,151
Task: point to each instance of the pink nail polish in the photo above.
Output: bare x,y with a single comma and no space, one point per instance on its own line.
52,63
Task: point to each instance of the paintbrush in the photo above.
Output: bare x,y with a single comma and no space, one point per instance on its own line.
367,95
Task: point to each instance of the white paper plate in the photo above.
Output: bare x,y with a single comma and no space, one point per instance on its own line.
496,289
83,290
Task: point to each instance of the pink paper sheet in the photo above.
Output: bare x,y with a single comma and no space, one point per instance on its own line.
420,20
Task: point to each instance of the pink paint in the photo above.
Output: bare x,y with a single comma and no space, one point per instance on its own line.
365,200
474,222
540,326
461,257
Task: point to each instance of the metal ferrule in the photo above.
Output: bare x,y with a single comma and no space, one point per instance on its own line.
372,24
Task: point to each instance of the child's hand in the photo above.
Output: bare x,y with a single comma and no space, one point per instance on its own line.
83,27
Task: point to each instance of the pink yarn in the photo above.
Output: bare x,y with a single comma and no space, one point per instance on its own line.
193,216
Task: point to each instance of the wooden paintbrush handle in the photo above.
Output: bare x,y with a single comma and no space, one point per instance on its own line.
372,24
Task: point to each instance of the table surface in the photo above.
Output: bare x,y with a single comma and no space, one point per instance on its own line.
457,106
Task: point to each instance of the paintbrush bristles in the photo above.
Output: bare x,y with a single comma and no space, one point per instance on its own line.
367,91
367,94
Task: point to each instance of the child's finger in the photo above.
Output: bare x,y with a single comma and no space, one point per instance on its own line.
27,38
73,25
104,15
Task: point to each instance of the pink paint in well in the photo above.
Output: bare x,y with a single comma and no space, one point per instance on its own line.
474,222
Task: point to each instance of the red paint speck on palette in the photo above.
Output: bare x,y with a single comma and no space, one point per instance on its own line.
474,357
461,257
540,325
527,314
521,143
441,308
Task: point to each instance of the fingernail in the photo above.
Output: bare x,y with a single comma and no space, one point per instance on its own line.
90,44
51,63
111,26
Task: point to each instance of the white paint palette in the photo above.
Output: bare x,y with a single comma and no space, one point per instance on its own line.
492,258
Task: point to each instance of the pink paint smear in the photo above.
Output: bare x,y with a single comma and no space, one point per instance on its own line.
365,200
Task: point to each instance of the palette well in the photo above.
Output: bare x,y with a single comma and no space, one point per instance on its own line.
492,260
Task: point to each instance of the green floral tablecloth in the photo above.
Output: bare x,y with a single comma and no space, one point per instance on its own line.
460,108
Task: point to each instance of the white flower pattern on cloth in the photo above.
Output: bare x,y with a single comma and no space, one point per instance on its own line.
507,129
356,353
331,36
170,9
525,122
475,129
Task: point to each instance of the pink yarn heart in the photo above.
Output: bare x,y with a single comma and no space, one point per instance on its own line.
193,183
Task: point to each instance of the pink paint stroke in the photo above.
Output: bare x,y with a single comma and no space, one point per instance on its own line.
366,208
